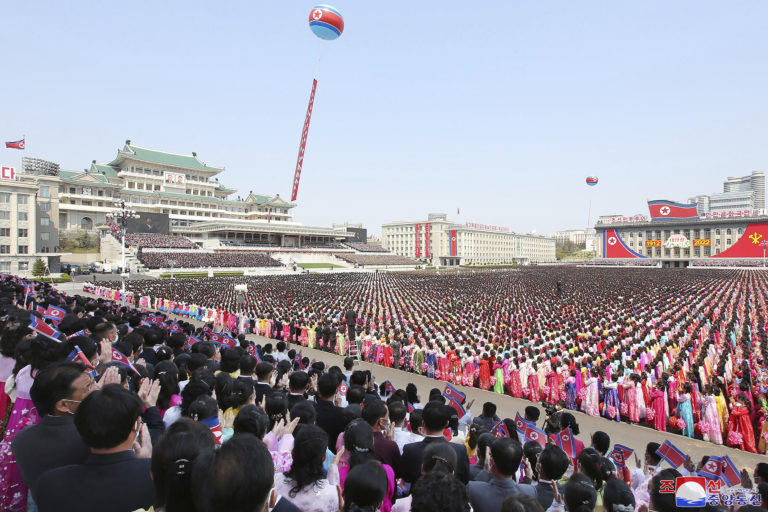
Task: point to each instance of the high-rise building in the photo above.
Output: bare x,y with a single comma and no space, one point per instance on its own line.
739,193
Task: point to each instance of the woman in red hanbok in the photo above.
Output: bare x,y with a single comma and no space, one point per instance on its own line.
740,432
553,394
533,385
657,412
485,373
469,370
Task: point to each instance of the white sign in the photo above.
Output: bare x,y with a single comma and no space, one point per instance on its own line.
735,213
7,173
487,228
623,220
677,241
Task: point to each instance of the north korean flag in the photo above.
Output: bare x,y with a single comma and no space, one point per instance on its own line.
78,333
458,408
77,356
214,426
713,469
521,424
564,439
730,473
620,454
55,314
451,393
534,434
388,388
29,290
227,341
175,327
410,406
44,329
500,430
342,389
119,357
191,340
668,452
16,144
662,209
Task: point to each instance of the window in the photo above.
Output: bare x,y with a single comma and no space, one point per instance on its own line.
22,215
22,198
5,197
45,236
5,215
728,241
5,231
85,203
23,265
46,207
728,231
72,190
23,232
45,191
45,221
5,249
23,249
717,231
5,266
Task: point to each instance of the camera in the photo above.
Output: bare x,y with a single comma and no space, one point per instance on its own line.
549,408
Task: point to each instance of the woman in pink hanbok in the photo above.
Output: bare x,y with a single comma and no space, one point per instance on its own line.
711,416
515,385
533,385
657,413
629,402
591,403
553,393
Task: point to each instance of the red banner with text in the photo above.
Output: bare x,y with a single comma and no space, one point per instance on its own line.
417,230
427,229
454,245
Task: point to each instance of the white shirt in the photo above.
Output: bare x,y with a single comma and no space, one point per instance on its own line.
403,437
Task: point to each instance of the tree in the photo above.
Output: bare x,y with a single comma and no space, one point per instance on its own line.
38,268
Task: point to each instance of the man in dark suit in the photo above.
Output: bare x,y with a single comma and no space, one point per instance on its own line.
351,318
376,414
54,442
263,387
329,417
505,456
115,472
297,386
434,420
553,463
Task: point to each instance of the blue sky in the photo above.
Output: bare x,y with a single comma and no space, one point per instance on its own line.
499,108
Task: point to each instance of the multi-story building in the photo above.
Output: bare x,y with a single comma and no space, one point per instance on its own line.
29,213
442,242
739,193
574,236
188,191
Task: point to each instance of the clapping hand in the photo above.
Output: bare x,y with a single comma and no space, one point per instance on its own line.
148,392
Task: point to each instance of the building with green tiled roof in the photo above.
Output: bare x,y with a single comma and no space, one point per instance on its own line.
181,186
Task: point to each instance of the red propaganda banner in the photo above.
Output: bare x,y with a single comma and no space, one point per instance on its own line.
749,245
417,230
614,246
303,143
454,250
427,230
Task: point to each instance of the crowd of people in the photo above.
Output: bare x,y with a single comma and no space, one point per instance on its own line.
679,351
158,241
168,259
111,407
364,247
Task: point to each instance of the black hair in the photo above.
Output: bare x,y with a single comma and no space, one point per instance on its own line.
617,492
659,500
309,446
761,470
239,478
355,394
107,417
251,420
173,458
326,386
415,420
489,409
264,370
247,364
591,464
484,441
305,411
204,407
580,496
230,360
412,393
164,353
521,503
298,381
568,420
433,416
275,406
167,373
531,451
532,413
373,411
507,454
397,412
601,441
439,492
365,488
554,462
439,457
349,362
650,451
52,384
358,441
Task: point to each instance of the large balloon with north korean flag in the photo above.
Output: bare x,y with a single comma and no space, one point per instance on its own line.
326,22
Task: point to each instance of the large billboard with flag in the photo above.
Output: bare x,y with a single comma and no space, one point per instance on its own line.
662,210
454,243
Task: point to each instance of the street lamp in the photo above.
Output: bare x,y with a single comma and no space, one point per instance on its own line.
764,244
120,216
172,263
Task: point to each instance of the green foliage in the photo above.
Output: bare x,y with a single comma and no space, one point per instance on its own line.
38,268
78,239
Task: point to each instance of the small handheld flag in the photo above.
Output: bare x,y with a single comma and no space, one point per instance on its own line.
564,440
451,393
77,356
713,469
342,389
669,453
521,424
500,430
730,473
54,314
214,426
534,434
620,454
44,329
120,358
411,408
388,388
